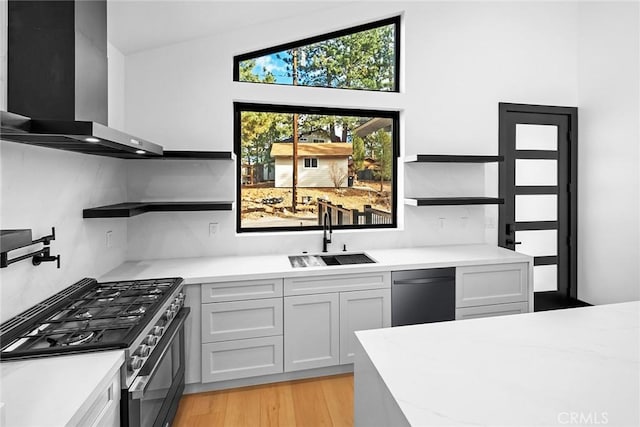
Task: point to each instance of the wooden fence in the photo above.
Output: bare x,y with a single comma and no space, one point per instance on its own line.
343,216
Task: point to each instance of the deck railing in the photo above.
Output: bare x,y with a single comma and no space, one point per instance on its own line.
343,216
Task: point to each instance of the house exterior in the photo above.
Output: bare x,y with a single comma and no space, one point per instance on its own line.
319,164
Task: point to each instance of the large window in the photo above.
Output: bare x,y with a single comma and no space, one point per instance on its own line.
297,163
364,57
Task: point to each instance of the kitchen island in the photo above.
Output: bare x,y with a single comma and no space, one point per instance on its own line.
74,390
564,367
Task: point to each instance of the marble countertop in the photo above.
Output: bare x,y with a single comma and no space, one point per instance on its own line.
54,391
228,268
563,367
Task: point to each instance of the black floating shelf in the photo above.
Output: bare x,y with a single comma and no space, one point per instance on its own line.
194,155
125,210
452,158
453,201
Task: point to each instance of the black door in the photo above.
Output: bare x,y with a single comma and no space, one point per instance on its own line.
538,183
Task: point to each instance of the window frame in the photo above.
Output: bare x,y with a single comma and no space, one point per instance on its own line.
311,159
237,59
239,107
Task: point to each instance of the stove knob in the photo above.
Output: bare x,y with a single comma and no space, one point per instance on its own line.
143,351
158,331
134,364
151,340
168,315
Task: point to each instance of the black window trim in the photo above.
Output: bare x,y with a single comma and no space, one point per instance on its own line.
327,36
394,115
311,159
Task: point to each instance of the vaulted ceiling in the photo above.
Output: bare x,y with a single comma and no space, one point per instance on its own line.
136,25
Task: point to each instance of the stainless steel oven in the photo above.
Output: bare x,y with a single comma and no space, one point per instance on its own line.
153,397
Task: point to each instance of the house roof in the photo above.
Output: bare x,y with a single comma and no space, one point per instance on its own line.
372,125
312,149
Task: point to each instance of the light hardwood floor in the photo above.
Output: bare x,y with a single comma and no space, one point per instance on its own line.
326,401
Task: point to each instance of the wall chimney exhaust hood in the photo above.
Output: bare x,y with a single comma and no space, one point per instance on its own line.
57,80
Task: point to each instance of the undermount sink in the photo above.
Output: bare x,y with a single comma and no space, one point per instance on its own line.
329,260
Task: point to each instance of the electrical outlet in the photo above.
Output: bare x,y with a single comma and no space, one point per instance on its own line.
109,239
213,229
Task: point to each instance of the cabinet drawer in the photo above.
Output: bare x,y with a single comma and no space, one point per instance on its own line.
222,321
491,284
491,310
243,290
336,283
241,358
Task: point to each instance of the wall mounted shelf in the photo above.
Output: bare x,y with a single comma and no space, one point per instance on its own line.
125,210
451,158
452,201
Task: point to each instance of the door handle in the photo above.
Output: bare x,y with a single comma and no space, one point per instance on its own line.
511,242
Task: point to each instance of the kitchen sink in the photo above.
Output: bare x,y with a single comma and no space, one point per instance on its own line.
329,260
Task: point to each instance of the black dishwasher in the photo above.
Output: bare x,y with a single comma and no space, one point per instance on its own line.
423,296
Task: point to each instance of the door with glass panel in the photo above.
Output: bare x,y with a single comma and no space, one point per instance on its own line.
538,183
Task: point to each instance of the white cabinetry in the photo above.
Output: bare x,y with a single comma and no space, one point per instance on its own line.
104,409
192,335
492,290
312,328
361,310
227,360
241,329
319,325
223,321
492,310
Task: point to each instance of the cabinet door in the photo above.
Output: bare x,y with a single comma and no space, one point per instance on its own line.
311,328
222,321
492,284
192,335
105,408
360,310
491,310
229,360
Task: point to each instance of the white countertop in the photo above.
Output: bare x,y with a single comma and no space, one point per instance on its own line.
529,369
216,269
53,391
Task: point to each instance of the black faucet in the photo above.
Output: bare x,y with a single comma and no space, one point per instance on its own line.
326,220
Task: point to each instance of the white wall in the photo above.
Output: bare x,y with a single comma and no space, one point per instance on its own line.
609,152
458,60
42,188
311,177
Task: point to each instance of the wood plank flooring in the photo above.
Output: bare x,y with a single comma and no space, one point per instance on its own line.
325,401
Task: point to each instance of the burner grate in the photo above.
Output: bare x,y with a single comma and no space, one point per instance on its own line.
37,310
86,316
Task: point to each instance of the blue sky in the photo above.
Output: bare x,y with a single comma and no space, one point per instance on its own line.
277,66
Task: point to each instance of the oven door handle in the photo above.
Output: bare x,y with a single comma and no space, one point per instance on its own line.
139,385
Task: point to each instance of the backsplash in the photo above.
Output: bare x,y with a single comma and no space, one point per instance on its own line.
43,188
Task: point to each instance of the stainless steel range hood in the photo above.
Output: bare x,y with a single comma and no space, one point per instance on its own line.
57,80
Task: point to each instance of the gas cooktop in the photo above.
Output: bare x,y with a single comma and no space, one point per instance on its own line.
87,316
